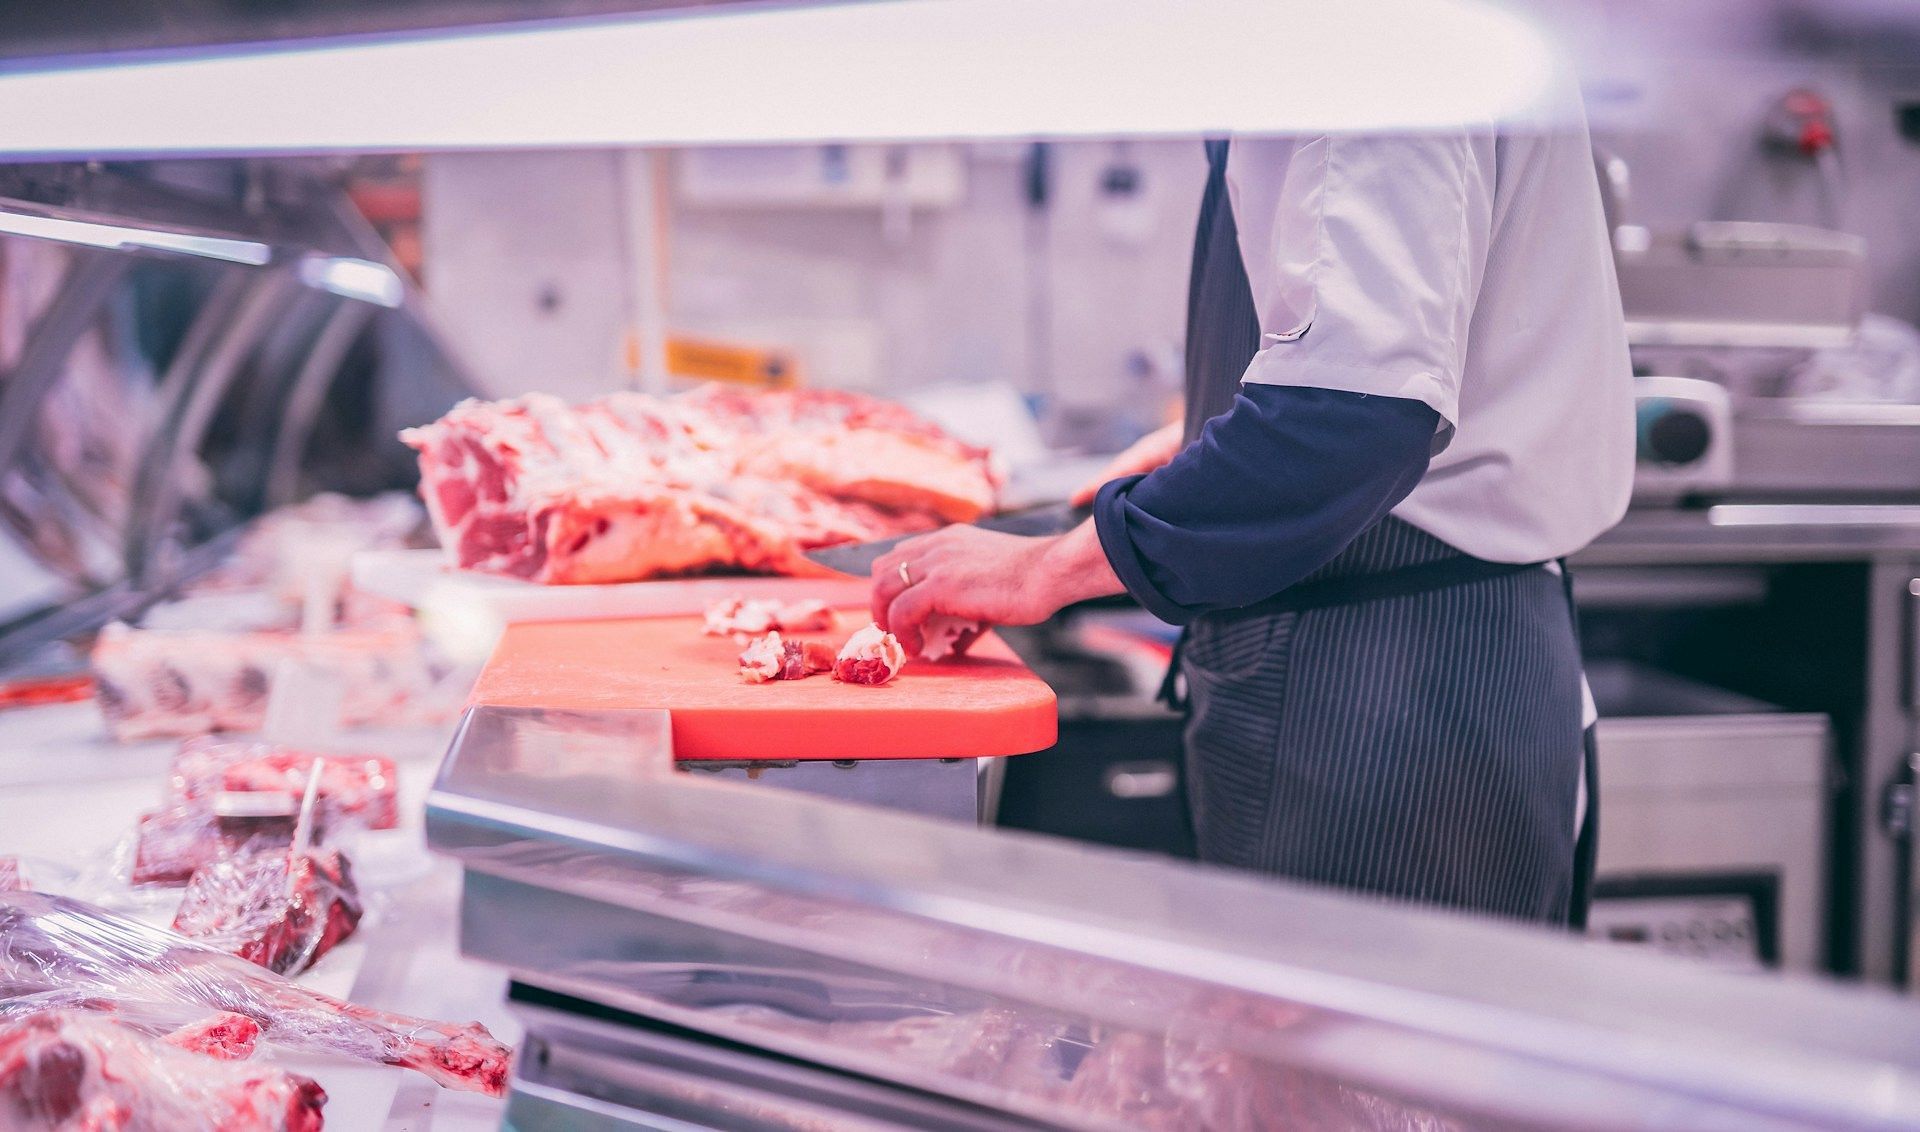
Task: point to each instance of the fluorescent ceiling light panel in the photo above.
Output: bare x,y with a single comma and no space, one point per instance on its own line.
878,70
97,235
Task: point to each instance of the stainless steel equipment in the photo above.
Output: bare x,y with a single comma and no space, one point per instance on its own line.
705,954
1714,814
1741,283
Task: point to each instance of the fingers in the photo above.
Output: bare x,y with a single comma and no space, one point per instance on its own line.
1084,494
907,614
886,584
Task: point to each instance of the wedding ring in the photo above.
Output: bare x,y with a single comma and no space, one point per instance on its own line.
906,579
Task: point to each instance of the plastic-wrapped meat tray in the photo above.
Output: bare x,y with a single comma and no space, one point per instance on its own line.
60,953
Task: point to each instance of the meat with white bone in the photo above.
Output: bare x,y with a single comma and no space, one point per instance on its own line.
631,487
871,656
76,1071
57,952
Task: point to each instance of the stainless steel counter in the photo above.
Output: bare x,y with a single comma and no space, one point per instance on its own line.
963,962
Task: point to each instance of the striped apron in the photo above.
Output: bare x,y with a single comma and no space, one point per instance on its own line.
1407,720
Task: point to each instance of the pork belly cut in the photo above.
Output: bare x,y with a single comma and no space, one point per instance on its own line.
630,486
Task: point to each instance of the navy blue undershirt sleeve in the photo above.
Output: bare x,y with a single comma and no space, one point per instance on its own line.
1270,492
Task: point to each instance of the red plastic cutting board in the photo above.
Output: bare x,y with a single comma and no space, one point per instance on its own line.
985,703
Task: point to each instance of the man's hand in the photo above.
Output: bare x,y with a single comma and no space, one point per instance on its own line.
1144,455
985,576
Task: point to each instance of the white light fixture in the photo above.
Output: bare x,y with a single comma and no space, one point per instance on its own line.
350,278
95,234
882,69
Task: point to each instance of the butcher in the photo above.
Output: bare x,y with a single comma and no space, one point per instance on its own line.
1407,399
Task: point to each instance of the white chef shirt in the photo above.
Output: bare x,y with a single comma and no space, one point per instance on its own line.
1468,269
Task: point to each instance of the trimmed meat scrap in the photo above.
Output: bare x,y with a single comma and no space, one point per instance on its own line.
775,658
64,1070
631,487
739,616
871,656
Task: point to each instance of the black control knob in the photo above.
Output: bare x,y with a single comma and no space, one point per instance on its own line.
1678,436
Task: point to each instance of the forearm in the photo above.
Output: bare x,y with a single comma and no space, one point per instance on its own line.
1273,489
1074,568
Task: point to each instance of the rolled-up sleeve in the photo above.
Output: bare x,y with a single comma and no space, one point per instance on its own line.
1365,254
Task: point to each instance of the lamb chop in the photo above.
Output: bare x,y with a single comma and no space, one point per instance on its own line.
71,1070
59,952
280,909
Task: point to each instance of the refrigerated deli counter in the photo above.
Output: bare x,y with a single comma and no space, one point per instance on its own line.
688,951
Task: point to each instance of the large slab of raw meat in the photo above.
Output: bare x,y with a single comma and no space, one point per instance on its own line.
630,486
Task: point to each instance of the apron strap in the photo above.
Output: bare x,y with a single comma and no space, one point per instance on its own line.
1403,582
1329,592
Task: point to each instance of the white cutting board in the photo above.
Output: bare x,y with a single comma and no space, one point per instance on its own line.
423,580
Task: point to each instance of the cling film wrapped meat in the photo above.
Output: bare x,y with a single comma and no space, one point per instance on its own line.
83,1071
60,953
271,907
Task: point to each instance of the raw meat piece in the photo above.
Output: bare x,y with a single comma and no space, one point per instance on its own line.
631,487
942,636
58,952
12,879
246,906
66,1070
870,656
173,843
736,617
359,789
184,682
229,1037
773,658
